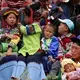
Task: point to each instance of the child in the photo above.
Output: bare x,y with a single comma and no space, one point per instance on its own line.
64,29
50,45
10,37
31,46
70,70
10,30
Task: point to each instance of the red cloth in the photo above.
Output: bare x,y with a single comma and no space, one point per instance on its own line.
3,4
65,41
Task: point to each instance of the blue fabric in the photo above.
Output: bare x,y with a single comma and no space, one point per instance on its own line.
35,71
30,29
6,70
46,64
53,48
52,51
66,10
43,22
18,69
56,13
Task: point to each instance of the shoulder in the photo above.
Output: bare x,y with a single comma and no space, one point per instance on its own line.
54,38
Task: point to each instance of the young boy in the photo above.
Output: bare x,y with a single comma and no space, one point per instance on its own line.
50,45
64,30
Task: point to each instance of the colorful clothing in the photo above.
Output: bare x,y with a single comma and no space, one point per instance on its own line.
31,47
74,75
50,46
66,42
13,32
38,71
31,39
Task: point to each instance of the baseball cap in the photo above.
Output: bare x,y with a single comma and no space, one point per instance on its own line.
68,22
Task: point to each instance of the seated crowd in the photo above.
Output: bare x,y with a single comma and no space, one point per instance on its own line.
38,40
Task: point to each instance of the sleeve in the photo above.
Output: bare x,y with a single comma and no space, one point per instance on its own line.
16,40
30,29
53,48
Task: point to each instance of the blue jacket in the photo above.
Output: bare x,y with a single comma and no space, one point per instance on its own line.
52,47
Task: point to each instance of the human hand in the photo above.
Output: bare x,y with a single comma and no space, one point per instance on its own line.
9,52
8,35
51,59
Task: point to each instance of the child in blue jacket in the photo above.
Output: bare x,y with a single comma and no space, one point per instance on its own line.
50,46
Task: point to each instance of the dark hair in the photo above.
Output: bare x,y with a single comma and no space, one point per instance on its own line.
27,11
36,15
52,25
5,16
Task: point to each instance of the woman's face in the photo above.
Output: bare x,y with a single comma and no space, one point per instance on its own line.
11,19
75,51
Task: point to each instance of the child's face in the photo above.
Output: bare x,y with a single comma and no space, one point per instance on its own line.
27,20
62,28
48,32
11,19
69,67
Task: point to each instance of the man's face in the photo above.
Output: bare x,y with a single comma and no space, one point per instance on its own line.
75,51
62,28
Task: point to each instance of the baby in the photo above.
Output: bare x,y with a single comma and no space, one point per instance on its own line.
70,71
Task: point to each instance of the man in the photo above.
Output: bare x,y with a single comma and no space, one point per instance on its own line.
75,50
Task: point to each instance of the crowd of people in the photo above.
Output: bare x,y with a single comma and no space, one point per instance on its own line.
39,39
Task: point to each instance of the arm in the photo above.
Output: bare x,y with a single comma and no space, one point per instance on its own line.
30,29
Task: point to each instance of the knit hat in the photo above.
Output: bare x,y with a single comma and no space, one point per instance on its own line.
10,10
66,61
76,39
68,22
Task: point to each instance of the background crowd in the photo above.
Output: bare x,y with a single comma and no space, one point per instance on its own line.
39,40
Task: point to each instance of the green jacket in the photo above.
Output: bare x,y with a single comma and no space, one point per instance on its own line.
31,39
